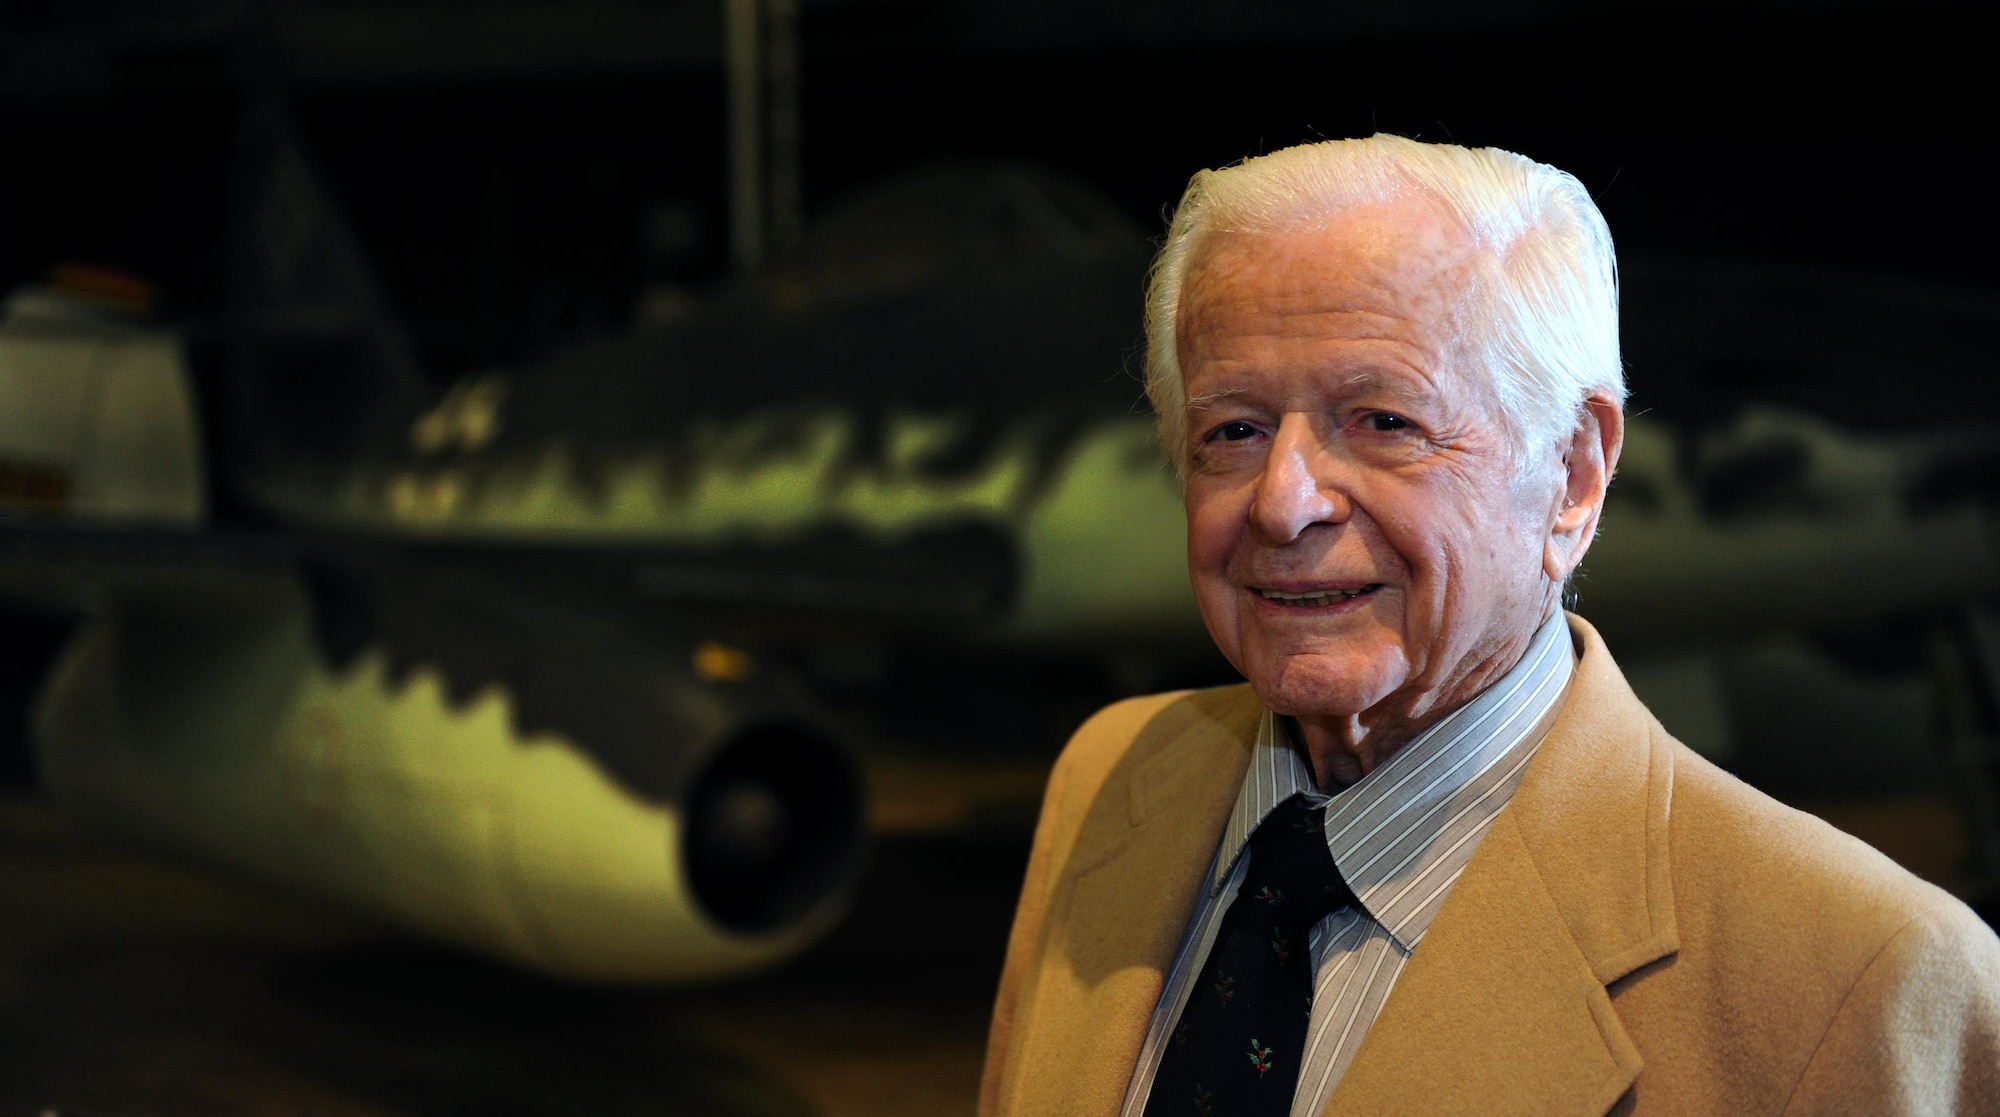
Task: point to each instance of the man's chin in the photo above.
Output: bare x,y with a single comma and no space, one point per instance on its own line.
1326,687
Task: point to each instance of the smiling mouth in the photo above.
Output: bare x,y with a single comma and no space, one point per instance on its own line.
1317,598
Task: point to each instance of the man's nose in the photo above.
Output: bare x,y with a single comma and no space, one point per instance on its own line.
1298,488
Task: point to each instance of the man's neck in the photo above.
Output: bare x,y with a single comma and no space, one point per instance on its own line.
1344,748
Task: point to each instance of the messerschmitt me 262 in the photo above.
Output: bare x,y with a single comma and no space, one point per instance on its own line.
561,663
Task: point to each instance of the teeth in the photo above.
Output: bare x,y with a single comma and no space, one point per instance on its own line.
1325,597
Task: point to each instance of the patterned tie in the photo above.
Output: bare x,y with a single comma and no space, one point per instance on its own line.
1240,1040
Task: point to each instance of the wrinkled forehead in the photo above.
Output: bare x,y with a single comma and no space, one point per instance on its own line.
1412,243
1407,260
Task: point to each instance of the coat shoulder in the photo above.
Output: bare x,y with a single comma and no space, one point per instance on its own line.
1737,851
1147,723
1803,949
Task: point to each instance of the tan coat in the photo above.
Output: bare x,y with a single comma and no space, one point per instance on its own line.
1639,932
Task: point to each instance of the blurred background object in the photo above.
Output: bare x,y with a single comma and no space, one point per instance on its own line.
633,495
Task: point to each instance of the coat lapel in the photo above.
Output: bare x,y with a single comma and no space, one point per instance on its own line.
1498,1011
1503,1007
1140,855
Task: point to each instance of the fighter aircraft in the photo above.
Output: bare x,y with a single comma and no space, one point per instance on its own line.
538,663
560,662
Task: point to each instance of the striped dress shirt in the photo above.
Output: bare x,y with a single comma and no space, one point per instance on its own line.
1401,835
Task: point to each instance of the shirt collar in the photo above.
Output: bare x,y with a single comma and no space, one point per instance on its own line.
1385,826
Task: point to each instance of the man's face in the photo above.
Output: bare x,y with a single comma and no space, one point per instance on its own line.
1357,536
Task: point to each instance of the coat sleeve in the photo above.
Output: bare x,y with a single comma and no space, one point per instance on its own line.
1919,1033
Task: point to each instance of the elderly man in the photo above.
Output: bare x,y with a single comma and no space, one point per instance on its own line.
1436,857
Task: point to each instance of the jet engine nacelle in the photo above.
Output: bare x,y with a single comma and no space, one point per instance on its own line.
208,717
97,417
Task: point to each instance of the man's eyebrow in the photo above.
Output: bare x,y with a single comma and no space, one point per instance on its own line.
1205,399
1358,381
1362,381
1392,385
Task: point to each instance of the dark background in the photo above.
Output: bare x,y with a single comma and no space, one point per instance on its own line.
501,160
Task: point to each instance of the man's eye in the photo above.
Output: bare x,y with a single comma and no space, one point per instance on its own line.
1235,430
1383,421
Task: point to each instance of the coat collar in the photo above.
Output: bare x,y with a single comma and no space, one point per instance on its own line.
1504,1008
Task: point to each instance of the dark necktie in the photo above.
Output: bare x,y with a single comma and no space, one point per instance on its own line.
1240,1040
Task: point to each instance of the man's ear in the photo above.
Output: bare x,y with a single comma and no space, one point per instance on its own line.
1588,462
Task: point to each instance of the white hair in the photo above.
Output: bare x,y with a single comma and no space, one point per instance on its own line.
1541,316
